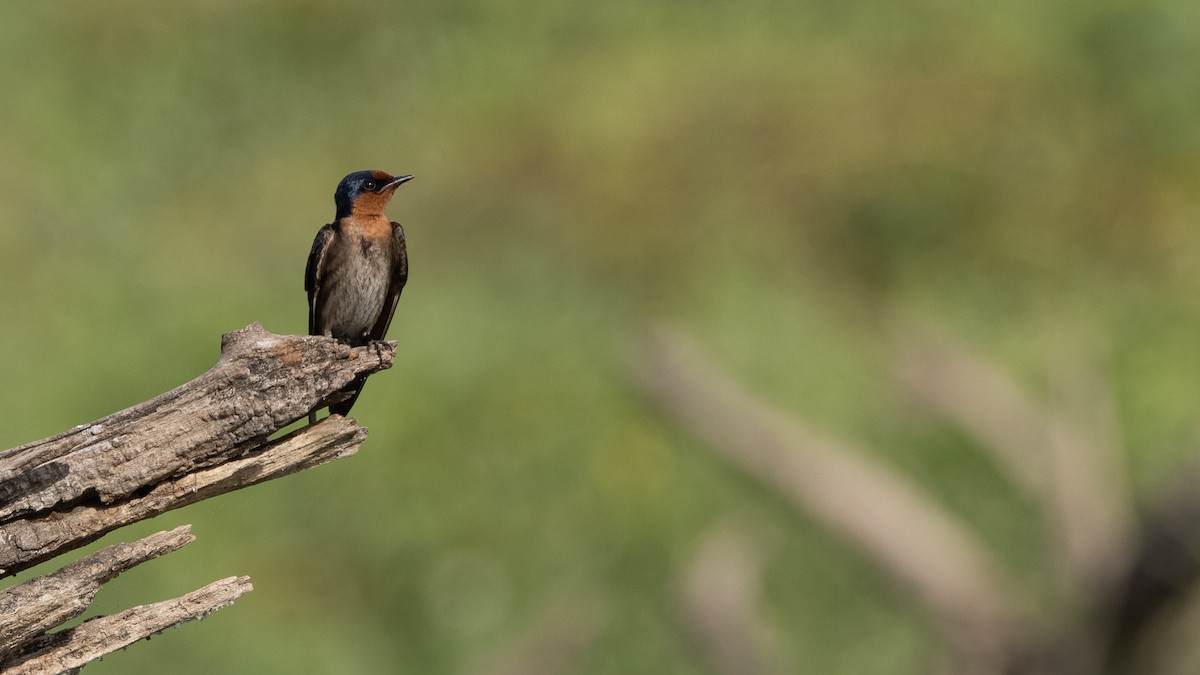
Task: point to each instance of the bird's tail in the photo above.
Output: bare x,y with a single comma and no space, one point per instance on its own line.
354,389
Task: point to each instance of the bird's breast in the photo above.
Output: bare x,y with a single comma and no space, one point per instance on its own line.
355,286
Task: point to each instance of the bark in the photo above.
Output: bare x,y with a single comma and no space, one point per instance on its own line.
262,383
29,541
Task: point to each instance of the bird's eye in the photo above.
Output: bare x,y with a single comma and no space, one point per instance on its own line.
369,185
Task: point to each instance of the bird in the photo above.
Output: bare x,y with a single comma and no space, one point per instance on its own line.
357,269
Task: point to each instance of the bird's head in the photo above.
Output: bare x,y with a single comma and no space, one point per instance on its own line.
366,192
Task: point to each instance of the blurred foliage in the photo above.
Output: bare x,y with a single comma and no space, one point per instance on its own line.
785,179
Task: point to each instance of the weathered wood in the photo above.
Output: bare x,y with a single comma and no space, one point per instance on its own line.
40,604
74,648
261,383
29,541
202,439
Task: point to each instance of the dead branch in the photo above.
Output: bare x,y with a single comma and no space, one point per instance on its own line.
262,383
95,475
40,604
29,541
74,648
202,439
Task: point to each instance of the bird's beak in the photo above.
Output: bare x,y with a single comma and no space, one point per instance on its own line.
396,182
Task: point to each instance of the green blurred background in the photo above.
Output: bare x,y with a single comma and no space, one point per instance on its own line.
781,179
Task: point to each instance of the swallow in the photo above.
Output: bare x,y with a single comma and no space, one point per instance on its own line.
357,268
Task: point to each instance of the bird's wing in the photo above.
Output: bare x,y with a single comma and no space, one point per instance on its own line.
395,285
313,273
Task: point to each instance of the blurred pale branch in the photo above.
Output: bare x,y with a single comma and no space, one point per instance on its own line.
1071,471
720,599
202,439
882,512
1136,576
